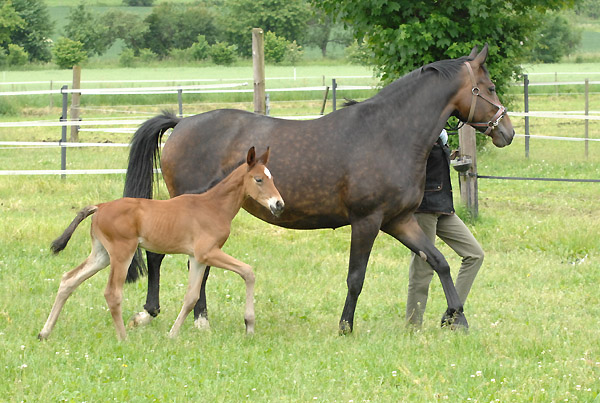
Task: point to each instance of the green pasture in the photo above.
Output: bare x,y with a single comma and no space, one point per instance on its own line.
534,310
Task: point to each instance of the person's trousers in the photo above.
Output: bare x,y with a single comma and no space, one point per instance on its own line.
451,230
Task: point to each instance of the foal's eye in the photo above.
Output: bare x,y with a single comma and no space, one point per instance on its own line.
258,180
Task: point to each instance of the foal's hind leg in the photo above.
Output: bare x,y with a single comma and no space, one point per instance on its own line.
218,258
96,261
195,275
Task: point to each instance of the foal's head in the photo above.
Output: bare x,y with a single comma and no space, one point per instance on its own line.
259,185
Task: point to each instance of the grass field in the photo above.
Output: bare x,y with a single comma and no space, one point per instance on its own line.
534,310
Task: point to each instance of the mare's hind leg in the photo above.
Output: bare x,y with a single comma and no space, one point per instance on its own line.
120,258
195,276
96,261
152,306
201,310
411,235
218,258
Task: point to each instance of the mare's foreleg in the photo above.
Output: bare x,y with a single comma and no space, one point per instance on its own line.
201,310
412,236
96,261
152,306
195,276
364,232
218,258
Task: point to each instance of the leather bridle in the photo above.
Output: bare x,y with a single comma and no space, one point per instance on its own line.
495,120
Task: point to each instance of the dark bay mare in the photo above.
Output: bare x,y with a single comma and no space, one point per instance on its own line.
367,165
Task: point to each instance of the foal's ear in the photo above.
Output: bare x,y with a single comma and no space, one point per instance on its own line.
251,158
265,157
481,57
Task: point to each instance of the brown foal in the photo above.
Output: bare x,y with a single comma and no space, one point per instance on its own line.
193,224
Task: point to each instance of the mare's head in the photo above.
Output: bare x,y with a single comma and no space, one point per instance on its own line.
477,103
259,185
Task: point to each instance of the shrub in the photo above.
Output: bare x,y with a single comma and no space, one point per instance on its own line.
3,58
17,55
200,49
181,55
275,47
68,53
138,3
127,58
147,55
294,53
223,54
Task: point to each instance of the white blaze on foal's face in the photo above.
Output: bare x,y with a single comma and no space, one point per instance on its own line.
268,173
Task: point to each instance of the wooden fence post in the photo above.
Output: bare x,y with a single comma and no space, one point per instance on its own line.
75,96
258,63
468,180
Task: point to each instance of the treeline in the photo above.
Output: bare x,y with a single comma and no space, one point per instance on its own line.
218,30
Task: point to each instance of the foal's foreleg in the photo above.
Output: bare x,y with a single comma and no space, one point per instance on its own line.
119,263
218,258
196,274
97,261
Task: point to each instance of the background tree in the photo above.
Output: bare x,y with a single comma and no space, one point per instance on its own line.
322,31
138,3
177,26
9,21
33,35
554,39
68,53
285,18
88,28
402,35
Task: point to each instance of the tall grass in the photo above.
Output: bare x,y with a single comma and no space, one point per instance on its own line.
534,309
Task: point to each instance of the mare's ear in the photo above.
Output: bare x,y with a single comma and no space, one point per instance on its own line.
473,53
251,158
265,157
481,57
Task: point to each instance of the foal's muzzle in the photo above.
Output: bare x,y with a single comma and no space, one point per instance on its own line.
277,207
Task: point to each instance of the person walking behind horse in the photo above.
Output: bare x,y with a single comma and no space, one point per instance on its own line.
436,216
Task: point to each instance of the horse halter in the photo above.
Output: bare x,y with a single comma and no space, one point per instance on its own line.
495,120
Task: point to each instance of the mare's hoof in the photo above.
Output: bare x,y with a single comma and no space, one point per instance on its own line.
345,328
42,337
202,323
454,321
139,319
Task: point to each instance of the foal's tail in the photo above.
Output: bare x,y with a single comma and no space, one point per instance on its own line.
61,242
144,155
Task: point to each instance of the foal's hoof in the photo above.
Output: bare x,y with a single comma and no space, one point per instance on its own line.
345,328
139,319
202,323
454,320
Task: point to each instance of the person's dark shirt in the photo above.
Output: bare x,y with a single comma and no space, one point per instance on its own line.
438,187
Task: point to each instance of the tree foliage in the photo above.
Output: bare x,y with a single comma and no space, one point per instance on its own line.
68,53
177,26
88,28
555,38
26,23
402,35
285,18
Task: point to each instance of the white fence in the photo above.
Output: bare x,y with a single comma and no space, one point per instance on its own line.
130,125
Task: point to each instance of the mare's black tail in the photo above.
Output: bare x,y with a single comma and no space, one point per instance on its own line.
61,242
144,156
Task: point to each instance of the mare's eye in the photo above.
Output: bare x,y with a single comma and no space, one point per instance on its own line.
258,180
492,89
